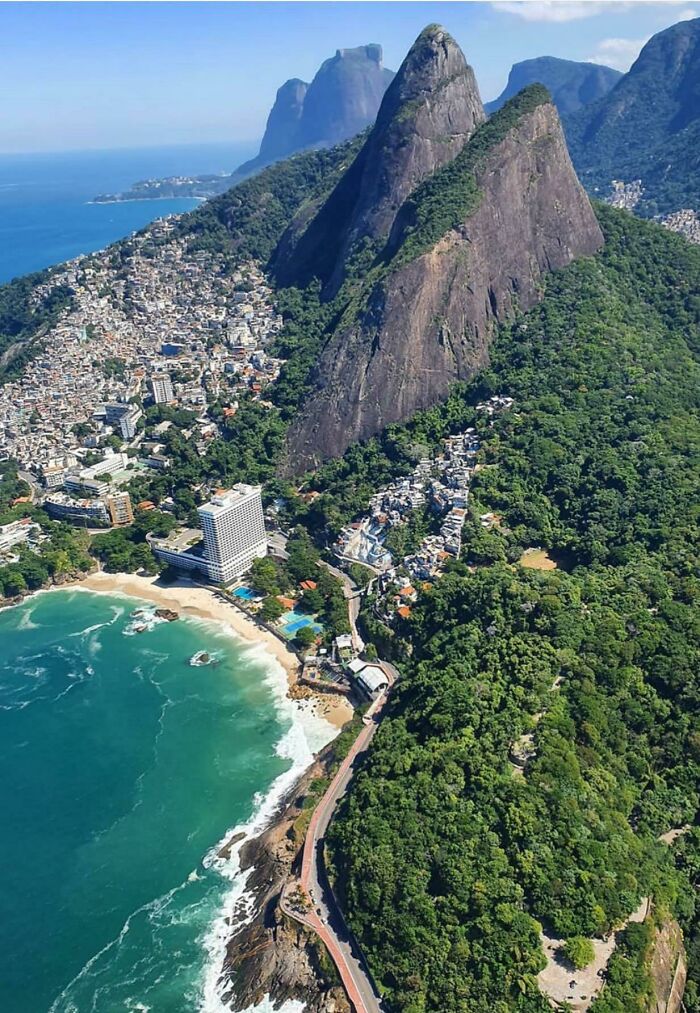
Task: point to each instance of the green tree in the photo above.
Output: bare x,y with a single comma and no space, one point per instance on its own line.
271,609
579,951
305,637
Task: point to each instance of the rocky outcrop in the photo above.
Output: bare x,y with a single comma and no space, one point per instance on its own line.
341,101
282,130
668,968
344,96
430,110
428,315
570,83
271,955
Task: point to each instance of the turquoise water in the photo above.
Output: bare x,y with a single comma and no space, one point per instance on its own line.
45,214
123,769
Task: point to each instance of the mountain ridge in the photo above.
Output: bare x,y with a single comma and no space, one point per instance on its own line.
420,283
571,83
648,125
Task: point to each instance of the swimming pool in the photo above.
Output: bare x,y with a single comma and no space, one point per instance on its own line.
245,593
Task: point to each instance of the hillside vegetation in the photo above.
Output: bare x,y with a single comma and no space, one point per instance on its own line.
447,862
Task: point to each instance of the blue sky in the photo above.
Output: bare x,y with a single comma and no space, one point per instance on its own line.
105,75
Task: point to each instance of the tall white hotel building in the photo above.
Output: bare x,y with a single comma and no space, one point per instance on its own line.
234,532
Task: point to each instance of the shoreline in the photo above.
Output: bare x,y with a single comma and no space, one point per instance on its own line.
197,602
139,200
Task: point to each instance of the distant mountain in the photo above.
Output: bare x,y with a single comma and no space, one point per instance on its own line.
571,84
441,226
341,101
648,126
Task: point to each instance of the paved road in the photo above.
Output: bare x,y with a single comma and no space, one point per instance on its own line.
326,916
353,596
32,481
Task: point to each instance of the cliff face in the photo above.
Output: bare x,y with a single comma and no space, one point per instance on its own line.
282,130
344,96
570,83
469,246
429,111
341,101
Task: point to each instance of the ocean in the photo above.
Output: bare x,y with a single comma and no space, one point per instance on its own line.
124,768
45,214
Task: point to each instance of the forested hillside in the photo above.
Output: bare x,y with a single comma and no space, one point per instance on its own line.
446,857
648,126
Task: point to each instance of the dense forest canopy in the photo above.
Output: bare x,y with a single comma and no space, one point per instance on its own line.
447,858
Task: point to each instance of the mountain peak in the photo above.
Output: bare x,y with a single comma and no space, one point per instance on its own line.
429,111
470,244
648,126
341,101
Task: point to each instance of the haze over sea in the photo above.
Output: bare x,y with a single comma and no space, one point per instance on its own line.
45,214
124,768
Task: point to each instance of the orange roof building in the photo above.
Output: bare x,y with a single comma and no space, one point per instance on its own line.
404,611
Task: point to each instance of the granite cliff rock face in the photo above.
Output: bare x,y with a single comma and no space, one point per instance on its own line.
429,111
468,247
282,130
341,101
344,96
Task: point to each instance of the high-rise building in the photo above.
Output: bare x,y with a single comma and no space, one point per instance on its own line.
128,421
162,388
119,506
234,532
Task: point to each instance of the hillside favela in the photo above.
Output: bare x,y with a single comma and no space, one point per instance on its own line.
349,484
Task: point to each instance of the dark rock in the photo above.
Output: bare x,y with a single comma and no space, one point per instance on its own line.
425,318
429,111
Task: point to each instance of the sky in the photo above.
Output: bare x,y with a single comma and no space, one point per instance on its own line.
112,75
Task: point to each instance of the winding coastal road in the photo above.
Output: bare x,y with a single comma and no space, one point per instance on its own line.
324,915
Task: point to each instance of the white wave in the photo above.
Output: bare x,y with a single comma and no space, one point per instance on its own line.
26,623
117,613
306,735
63,1003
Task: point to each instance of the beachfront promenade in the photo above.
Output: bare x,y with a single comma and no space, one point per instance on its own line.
323,914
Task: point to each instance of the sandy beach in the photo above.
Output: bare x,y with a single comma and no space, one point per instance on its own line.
192,600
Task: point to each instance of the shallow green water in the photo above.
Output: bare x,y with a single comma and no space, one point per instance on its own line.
122,768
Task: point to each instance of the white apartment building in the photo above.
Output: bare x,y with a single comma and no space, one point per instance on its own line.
128,422
162,388
234,532
17,532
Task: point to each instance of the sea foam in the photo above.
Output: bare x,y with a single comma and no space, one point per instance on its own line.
306,734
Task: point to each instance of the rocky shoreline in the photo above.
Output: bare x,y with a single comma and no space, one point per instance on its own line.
271,955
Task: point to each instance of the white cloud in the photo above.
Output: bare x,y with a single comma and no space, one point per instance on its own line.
621,53
555,10
618,53
574,10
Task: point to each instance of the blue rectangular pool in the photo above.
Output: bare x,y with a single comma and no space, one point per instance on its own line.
292,622
245,593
